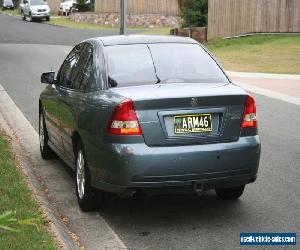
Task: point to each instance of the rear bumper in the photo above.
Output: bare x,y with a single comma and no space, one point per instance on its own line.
120,167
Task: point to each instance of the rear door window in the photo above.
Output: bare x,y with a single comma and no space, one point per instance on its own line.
67,68
83,77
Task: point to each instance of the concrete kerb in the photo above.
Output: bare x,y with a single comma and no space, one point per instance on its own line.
25,145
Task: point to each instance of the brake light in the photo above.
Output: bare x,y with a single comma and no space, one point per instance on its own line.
124,120
249,116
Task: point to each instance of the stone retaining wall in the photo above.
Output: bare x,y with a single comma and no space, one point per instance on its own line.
197,33
112,19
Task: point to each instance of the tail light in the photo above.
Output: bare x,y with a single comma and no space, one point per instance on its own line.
124,120
249,116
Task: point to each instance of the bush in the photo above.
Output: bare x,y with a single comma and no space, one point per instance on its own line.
194,13
83,6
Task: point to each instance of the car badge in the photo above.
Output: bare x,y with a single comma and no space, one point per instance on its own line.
194,102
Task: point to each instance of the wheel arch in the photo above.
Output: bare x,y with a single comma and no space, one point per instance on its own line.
76,139
40,106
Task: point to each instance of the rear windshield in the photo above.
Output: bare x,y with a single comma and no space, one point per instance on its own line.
37,2
140,64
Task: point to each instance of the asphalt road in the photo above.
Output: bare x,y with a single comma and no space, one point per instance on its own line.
15,30
271,204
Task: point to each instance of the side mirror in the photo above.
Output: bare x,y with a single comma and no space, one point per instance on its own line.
112,82
48,77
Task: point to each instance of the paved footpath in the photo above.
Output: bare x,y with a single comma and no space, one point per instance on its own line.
278,86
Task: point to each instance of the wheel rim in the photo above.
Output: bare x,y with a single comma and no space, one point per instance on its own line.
80,174
42,133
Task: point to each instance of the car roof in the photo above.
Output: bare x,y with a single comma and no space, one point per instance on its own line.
142,39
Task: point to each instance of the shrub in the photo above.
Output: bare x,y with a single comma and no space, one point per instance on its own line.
194,13
85,6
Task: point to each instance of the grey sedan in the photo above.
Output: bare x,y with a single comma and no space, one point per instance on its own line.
148,114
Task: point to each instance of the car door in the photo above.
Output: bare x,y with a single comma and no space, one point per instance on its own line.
62,88
51,114
52,101
72,104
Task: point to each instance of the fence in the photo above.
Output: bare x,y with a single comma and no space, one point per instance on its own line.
54,5
236,17
163,7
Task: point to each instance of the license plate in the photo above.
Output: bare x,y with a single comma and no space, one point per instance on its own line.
197,123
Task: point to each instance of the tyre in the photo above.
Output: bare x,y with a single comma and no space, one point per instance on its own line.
23,16
230,193
30,17
88,198
47,18
46,152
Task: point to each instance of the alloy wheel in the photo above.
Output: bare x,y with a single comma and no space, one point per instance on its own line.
42,133
80,174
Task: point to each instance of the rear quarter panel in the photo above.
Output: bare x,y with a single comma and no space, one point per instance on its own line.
92,118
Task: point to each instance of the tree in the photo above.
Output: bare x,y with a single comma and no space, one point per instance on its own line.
194,13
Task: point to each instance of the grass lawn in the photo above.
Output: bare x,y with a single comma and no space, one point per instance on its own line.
14,12
67,22
259,53
15,196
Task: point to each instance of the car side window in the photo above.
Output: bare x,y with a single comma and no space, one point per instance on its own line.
66,70
84,77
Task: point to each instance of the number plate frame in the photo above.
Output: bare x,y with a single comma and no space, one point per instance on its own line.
192,124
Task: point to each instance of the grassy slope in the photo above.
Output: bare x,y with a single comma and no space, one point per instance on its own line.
66,22
14,12
259,53
15,196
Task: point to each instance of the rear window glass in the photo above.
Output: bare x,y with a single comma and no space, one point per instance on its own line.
131,65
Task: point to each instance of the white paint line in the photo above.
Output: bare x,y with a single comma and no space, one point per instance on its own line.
263,75
270,93
12,117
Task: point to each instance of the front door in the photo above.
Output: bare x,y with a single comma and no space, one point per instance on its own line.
74,103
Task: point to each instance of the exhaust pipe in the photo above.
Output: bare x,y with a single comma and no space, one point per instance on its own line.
134,195
129,194
199,188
